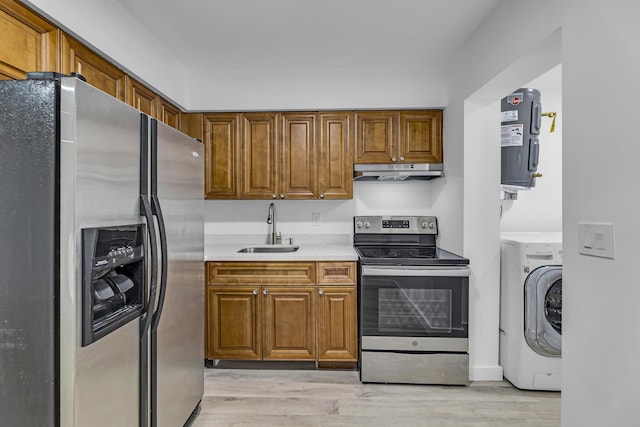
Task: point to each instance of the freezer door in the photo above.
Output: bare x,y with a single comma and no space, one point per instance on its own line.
180,333
99,187
28,263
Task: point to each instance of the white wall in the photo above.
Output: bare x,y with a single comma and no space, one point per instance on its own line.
321,88
601,338
109,28
517,43
540,209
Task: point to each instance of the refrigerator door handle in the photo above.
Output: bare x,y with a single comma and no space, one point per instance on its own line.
157,212
153,282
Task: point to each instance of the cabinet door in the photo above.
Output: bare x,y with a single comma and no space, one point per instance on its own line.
191,124
376,136
421,136
298,156
141,97
289,323
99,73
337,324
259,156
29,43
335,174
234,322
221,148
168,113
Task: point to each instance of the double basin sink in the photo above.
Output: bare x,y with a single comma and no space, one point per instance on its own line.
269,249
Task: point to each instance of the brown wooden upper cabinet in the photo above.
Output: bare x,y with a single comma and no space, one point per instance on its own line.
222,155
259,155
410,136
141,97
279,156
168,113
335,170
99,73
27,42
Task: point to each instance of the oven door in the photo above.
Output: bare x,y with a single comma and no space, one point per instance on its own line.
414,308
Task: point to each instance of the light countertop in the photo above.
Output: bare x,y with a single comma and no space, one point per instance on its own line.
322,247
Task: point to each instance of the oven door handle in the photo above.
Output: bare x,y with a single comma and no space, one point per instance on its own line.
415,271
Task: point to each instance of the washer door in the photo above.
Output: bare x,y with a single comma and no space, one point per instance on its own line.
543,310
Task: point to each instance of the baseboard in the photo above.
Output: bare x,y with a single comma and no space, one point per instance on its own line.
485,373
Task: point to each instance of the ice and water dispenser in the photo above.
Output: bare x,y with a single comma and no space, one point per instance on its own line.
113,270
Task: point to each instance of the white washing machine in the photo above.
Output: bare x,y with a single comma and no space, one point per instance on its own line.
531,309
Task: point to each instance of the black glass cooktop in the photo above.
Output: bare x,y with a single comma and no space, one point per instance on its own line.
397,252
408,255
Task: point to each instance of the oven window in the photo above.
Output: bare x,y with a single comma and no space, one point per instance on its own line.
414,309
414,306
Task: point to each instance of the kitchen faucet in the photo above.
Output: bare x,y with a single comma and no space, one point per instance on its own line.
271,219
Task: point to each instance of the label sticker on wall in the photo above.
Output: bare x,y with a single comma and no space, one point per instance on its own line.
511,135
509,116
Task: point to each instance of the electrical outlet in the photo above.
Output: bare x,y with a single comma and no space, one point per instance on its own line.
315,219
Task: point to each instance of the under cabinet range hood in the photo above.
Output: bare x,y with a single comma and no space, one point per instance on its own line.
396,172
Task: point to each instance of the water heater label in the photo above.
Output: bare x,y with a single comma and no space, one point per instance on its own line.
515,98
511,135
509,116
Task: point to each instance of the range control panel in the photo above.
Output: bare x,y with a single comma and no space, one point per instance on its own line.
395,225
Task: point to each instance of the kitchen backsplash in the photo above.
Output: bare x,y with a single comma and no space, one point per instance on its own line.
331,216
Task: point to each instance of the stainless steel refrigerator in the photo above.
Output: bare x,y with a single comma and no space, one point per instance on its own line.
101,261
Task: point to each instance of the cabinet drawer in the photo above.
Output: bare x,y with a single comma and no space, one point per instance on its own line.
339,273
300,273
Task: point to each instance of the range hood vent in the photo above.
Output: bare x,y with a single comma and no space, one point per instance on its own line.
397,172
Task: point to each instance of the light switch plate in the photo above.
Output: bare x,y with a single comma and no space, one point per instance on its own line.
315,219
596,239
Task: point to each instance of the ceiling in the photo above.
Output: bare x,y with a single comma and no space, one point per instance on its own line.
250,34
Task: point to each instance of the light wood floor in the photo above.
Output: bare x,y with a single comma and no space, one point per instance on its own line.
284,398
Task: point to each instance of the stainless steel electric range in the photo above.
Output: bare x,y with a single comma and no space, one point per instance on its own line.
413,303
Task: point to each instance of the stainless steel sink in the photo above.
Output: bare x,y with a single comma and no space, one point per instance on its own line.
268,249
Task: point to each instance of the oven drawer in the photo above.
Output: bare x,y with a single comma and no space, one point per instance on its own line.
415,344
414,368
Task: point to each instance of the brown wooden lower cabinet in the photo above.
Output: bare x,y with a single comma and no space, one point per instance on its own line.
281,313
234,323
289,323
337,326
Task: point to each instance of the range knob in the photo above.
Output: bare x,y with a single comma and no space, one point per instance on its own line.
359,224
367,224
429,225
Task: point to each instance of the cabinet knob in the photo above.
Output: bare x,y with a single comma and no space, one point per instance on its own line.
255,292
273,196
265,291
393,159
281,195
320,291
322,196
401,158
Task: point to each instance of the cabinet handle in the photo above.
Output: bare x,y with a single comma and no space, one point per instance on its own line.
281,196
320,291
264,291
393,159
273,196
322,196
255,292
401,159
